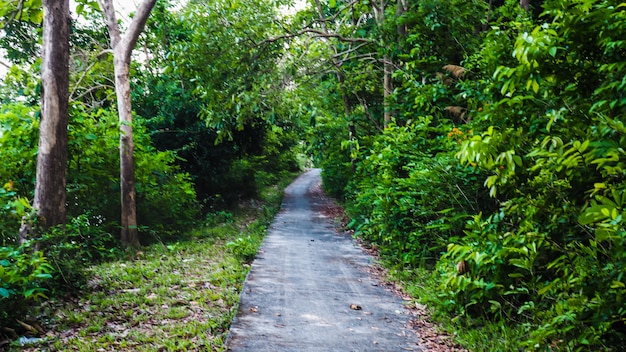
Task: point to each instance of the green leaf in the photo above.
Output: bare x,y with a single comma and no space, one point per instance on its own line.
617,284
535,86
552,51
5,293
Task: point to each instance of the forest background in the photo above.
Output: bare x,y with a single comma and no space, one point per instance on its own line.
478,145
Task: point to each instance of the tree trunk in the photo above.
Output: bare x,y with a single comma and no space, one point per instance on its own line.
129,235
50,186
524,4
122,50
401,8
387,89
379,15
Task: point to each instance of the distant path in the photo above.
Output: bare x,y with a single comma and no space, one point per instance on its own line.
299,293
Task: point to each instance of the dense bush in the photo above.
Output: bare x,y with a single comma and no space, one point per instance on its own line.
51,264
23,275
166,197
410,196
70,249
166,201
509,161
553,255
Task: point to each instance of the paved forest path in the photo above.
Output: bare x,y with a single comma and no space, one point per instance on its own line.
309,288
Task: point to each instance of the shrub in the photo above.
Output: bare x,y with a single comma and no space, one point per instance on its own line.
70,249
409,196
23,276
166,199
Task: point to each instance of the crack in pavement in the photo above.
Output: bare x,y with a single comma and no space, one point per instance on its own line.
309,289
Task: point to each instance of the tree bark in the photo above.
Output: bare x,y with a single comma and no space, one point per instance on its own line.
129,235
122,50
387,89
379,15
401,8
524,4
50,186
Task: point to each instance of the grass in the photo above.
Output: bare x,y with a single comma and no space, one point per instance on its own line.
178,296
472,335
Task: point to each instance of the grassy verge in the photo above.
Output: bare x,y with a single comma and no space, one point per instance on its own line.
167,297
469,334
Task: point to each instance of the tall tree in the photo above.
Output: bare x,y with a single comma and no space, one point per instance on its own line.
122,49
50,193
379,14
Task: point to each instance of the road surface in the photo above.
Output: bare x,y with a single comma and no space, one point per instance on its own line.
309,288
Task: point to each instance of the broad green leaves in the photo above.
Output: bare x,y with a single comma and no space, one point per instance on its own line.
536,121
21,10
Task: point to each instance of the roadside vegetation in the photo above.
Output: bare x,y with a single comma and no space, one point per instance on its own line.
478,146
176,295
496,192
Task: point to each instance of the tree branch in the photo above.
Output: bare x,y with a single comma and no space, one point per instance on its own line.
136,27
89,90
14,14
333,17
367,112
320,34
106,6
5,64
317,34
345,53
76,86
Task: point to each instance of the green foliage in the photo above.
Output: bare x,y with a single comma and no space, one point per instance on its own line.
19,128
527,207
18,140
23,275
244,248
71,248
166,196
57,267
217,100
411,197
21,10
552,256
333,157
13,209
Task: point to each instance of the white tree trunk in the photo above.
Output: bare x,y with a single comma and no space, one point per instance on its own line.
122,50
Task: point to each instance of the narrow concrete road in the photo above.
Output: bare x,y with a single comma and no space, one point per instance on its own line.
309,289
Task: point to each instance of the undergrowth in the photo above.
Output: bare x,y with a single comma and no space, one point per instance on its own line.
168,296
471,334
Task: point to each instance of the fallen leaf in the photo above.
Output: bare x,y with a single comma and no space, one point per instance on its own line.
27,327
